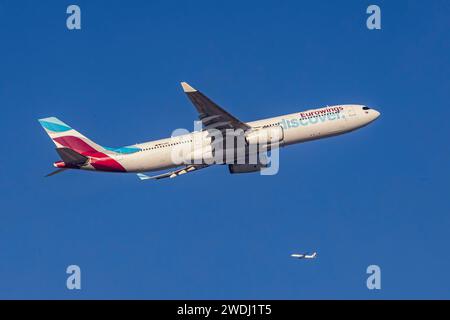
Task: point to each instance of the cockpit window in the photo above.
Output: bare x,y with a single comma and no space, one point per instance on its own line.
366,108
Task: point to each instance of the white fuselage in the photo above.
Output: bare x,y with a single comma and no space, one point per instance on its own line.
296,128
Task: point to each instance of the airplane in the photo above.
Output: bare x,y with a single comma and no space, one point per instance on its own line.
304,256
79,152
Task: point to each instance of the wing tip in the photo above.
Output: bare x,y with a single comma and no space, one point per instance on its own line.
187,88
142,176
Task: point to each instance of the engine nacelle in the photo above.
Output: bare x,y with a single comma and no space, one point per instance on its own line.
244,168
265,136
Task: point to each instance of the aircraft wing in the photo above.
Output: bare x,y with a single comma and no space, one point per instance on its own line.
173,174
210,114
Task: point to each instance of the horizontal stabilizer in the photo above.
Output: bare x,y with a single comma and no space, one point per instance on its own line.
56,172
71,157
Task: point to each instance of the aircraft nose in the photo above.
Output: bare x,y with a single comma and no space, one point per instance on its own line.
371,113
376,114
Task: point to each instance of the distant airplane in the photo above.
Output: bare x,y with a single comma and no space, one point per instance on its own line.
79,152
304,256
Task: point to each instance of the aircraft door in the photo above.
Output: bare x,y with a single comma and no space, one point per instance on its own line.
351,113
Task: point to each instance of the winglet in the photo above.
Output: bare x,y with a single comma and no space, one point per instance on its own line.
187,87
143,176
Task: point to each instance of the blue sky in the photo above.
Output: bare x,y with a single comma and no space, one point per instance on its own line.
375,196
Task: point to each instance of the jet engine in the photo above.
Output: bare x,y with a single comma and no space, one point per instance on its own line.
245,168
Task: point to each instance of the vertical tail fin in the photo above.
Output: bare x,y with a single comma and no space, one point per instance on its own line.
65,137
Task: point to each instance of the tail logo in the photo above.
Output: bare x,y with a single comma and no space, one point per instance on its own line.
58,132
